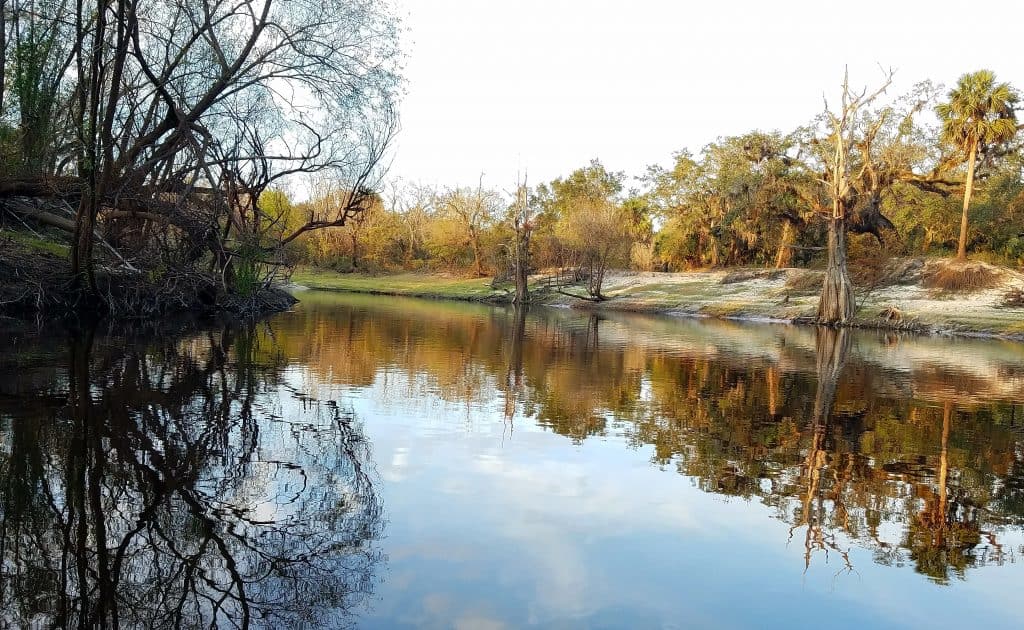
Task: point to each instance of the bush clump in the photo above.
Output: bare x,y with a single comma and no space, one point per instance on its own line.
960,277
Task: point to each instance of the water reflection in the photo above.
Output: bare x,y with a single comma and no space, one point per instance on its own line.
178,484
909,447
223,478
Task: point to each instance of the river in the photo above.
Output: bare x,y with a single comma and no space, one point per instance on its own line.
382,462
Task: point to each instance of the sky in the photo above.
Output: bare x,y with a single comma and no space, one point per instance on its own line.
537,88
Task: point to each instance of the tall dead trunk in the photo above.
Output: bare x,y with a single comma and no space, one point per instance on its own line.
522,270
90,96
784,258
961,249
474,242
836,305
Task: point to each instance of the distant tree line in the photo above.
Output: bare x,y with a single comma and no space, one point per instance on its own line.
169,134
930,172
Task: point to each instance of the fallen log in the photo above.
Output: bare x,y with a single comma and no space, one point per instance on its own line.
28,211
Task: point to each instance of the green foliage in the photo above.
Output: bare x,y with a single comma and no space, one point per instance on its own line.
35,78
728,205
979,111
749,200
248,277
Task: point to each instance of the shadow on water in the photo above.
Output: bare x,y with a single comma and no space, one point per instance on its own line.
181,483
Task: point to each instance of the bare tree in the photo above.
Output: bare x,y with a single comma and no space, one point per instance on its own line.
182,113
522,226
841,166
474,210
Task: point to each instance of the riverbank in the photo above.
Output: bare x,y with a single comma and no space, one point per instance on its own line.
928,296
36,283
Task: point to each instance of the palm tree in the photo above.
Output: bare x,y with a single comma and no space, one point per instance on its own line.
979,114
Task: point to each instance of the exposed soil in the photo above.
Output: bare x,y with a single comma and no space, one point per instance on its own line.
905,294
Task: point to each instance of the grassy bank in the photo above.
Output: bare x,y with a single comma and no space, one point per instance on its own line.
906,294
434,286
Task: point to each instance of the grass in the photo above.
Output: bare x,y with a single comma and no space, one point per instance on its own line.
36,243
726,309
408,284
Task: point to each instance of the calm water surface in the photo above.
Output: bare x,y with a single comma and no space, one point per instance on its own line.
377,462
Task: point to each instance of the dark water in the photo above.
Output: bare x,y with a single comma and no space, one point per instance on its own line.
376,462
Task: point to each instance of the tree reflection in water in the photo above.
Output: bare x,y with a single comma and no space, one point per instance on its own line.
184,485
878,441
191,484
832,346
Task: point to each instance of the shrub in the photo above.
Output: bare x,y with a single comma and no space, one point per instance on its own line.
960,277
1014,298
804,282
743,275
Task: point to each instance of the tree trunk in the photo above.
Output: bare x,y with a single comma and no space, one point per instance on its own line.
596,280
355,251
477,267
522,289
82,245
411,249
961,250
522,270
785,256
836,305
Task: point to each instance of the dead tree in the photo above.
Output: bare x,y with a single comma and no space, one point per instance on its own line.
522,225
839,158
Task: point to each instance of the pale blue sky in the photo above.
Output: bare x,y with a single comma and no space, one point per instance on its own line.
545,85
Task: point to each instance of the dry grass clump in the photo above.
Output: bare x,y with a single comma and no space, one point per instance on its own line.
960,277
1014,298
804,282
892,314
744,275
869,272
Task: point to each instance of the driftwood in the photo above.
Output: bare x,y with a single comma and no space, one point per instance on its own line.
26,210
587,298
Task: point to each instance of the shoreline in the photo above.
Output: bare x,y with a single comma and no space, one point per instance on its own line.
758,296
36,284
